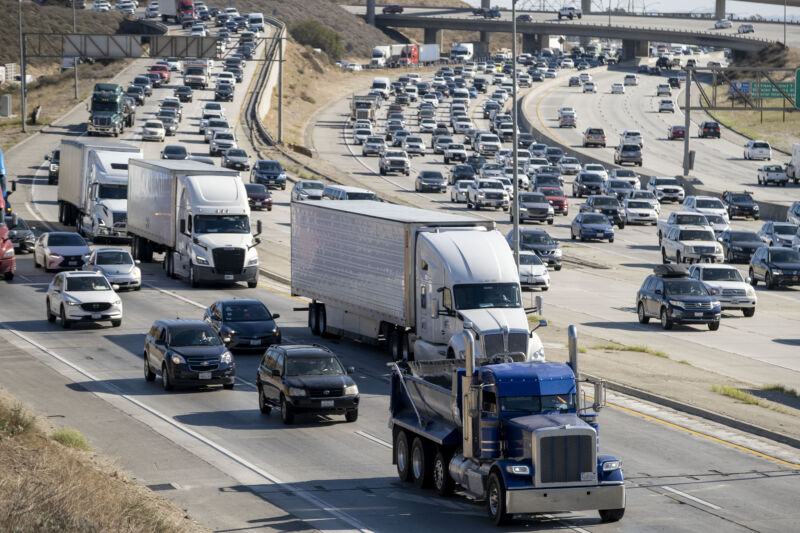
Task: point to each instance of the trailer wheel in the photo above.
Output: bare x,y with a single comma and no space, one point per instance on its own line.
611,515
322,319
313,318
421,463
442,481
496,500
402,456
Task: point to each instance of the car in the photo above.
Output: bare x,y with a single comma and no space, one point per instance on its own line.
360,135
460,172
245,326
628,153
117,265
392,10
137,93
187,352
221,142
726,283
707,205
666,106
477,162
690,244
53,166
487,192
82,297
590,87
663,89
671,296
270,173
621,189
587,226
236,159
555,195
373,145
533,272
722,24
60,250
574,81
632,79
741,204
648,197
223,92
145,83
541,243
567,120
455,152
745,28
708,129
775,266
718,223
755,149
606,205
739,246
398,135
675,81
307,190
631,137
778,233
775,174
793,213
184,93
587,184
524,18
594,137
305,379
430,180
414,145
666,188
258,196
394,161
569,165
153,130
459,190
617,88
553,154
21,235
639,212
174,151
534,206
676,132
427,125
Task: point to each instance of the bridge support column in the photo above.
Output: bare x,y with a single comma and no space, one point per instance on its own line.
486,4
586,6
371,12
633,49
434,36
530,43
719,10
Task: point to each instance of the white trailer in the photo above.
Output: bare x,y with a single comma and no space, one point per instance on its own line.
793,166
428,53
92,186
197,215
409,278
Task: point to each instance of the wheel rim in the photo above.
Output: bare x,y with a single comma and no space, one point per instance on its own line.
663,318
494,499
146,367
284,408
641,312
261,402
438,473
164,377
401,457
416,462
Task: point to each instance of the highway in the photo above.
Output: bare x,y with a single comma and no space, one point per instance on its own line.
329,475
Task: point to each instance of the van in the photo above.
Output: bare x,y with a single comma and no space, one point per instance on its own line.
381,84
461,93
255,22
344,192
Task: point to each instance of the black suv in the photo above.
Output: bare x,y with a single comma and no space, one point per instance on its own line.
775,266
223,92
670,295
608,205
461,172
246,325
303,378
739,245
187,352
586,184
541,243
709,128
740,204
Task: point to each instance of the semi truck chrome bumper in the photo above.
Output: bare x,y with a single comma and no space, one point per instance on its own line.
523,501
205,273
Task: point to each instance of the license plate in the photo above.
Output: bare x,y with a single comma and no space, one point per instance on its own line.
204,375
255,342
96,316
228,277
326,403
258,203
698,314
72,263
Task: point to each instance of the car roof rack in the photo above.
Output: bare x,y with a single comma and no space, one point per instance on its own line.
671,271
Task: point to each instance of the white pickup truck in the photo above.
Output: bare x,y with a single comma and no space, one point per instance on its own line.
487,193
692,244
680,218
569,12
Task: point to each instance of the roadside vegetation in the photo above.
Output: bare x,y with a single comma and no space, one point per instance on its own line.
745,397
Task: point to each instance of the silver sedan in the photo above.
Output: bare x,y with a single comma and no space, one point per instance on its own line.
117,265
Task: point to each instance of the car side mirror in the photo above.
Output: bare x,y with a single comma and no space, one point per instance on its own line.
351,370
115,287
275,315
276,372
183,226
748,280
47,157
137,262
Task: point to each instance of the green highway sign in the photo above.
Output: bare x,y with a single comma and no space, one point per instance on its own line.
797,88
766,89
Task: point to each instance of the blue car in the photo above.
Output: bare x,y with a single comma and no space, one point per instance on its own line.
587,226
473,92
269,173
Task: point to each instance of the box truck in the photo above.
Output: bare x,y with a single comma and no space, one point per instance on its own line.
197,215
93,186
408,278
181,11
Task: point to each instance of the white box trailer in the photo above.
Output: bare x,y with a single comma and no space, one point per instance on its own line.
407,277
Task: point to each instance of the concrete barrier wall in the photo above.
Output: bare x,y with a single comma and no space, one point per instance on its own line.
265,98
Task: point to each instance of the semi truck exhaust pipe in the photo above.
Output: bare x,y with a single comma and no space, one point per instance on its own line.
469,389
572,333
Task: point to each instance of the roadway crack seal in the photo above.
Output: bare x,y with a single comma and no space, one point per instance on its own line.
700,412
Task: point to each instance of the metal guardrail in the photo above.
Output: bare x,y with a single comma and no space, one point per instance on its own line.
252,117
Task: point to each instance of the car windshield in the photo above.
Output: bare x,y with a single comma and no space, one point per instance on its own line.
537,404
236,152
760,145
245,312
217,124
222,136
532,198
741,199
745,236
14,223
65,239
721,274
625,173
666,181
221,224
154,125
694,220
324,365
785,256
270,166
715,219
487,296
619,184
594,168
595,219
709,204
601,201
535,237
773,168
175,150
591,178
529,259
194,336
490,185
87,283
684,287
569,161
114,258
784,229
695,235
431,174
639,205
255,188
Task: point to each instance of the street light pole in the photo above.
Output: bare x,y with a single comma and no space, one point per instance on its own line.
515,184
784,24
22,69
75,59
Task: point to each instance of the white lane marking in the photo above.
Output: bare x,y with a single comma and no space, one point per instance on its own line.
568,525
693,498
300,493
374,439
175,295
32,207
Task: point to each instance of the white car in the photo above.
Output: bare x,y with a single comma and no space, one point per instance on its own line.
362,123
663,89
458,192
596,168
414,145
631,137
153,130
617,88
569,165
585,77
431,99
756,149
427,125
718,223
590,87
639,212
361,134
151,11
666,105
707,205
631,79
648,197
666,188
455,152
373,145
101,7
532,272
745,28
462,124
82,296
353,67
723,24
725,282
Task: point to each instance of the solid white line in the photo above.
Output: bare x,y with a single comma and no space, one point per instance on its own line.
301,493
373,439
175,295
690,497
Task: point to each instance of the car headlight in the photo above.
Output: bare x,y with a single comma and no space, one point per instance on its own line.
177,359
557,252
8,253
200,260
253,261
116,302
750,291
226,357
520,470
714,291
351,390
54,256
677,303
755,208
610,466
737,248
297,391
136,273
72,302
777,272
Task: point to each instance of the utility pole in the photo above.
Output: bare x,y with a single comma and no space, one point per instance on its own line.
22,69
280,89
75,59
514,140
686,123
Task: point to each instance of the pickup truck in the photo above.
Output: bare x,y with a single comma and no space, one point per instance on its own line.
680,218
772,174
394,161
692,244
487,193
569,12
487,143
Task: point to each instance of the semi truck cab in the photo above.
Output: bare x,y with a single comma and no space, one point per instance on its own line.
106,111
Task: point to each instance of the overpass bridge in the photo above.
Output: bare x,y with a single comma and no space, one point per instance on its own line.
634,31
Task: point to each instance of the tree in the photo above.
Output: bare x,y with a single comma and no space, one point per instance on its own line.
314,34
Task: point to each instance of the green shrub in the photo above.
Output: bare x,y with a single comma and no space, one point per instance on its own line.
15,420
312,33
71,438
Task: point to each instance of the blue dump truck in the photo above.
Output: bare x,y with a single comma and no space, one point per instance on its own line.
517,435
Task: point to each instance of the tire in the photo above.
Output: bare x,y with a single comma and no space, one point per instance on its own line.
442,482
36,261
643,318
351,415
66,324
571,235
753,280
611,515
557,268
166,384
252,284
664,259
713,326
402,456
496,500
666,320
621,225
768,282
550,221
322,319
421,463
263,406
228,386
287,413
116,323
149,375
313,317
678,257
193,277
50,316
611,239
404,348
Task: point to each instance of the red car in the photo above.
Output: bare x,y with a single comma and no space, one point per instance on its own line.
676,132
557,199
258,196
161,70
392,10
8,263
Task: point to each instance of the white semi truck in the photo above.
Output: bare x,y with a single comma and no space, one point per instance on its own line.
92,186
409,278
197,215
